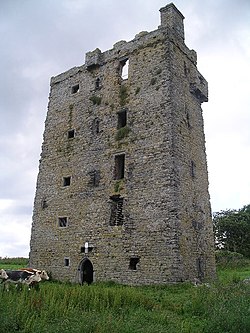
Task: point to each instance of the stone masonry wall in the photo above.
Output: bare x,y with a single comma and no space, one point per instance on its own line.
123,166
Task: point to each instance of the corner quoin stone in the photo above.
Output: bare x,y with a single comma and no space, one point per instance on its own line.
122,190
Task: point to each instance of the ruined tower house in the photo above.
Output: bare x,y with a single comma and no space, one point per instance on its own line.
122,190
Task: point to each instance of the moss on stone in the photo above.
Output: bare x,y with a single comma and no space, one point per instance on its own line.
96,100
122,133
123,94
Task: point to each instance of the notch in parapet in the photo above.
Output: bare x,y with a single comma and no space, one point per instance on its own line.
171,17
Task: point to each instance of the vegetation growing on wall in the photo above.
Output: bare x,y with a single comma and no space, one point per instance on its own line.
95,100
122,133
123,95
118,185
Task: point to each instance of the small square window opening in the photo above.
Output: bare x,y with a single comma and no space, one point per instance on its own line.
63,222
75,89
66,181
133,263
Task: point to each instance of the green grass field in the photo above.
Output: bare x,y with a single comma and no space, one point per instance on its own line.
224,306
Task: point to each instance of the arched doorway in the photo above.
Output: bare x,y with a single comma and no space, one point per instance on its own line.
86,271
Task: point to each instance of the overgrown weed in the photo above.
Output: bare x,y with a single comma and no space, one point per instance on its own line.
223,306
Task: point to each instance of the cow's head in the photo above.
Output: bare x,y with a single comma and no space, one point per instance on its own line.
34,278
44,275
3,274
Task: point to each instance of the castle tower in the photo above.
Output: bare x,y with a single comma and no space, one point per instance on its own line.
122,191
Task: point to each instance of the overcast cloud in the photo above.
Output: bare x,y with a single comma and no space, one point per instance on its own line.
40,39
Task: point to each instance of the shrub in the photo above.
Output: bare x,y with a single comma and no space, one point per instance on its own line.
118,185
96,100
123,95
122,133
230,259
14,261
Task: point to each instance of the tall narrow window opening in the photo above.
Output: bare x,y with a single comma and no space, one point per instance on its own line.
97,84
193,169
116,213
119,166
200,268
188,119
44,204
96,126
122,119
124,65
94,178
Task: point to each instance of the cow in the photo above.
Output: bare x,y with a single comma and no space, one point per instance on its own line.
21,277
43,274
3,274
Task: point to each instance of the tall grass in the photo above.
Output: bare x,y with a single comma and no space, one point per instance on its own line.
222,307
113,308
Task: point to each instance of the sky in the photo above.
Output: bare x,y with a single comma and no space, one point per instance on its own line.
40,39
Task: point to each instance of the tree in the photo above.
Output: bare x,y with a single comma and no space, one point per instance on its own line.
232,230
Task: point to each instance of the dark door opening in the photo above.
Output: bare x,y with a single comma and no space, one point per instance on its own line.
86,271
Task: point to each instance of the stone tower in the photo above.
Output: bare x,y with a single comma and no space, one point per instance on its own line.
122,191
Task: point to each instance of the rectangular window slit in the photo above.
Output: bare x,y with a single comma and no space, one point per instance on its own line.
97,83
94,179
193,169
119,166
122,119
